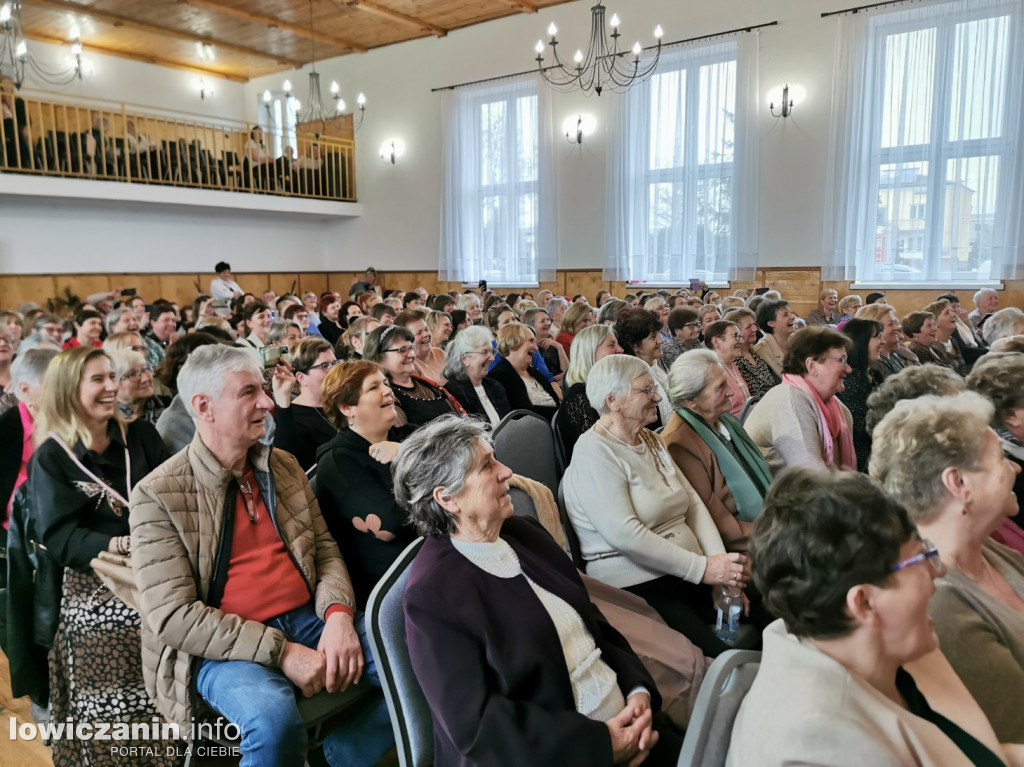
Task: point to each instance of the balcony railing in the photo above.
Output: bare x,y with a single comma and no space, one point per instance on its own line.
136,145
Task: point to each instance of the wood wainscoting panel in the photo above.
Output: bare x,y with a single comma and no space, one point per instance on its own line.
315,282
84,285
282,282
146,285
17,289
181,288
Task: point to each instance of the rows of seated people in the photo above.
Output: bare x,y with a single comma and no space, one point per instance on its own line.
95,150
850,477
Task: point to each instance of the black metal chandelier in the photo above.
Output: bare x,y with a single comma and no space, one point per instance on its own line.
16,58
604,66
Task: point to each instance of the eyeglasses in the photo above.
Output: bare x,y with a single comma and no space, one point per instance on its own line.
737,336
488,352
136,374
930,553
324,366
841,360
650,391
692,325
403,350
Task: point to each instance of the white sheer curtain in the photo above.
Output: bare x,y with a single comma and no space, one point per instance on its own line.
682,197
925,173
498,196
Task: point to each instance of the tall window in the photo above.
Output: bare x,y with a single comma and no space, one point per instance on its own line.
935,195
676,207
496,226
278,123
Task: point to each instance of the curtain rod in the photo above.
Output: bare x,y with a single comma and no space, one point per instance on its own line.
750,28
858,8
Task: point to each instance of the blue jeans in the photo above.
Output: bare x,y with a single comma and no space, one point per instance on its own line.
261,701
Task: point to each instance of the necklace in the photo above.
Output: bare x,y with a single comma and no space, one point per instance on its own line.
635,448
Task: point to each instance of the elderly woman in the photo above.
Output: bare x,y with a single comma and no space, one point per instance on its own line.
710,447
890,361
945,326
470,304
467,361
579,315
850,674
354,473
858,385
848,307
825,313
301,425
923,333
639,336
331,326
526,387
801,422
576,415
284,333
79,480
640,524
418,400
725,339
135,397
516,663
939,457
756,372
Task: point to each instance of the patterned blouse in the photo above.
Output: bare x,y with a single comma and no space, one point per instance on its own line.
757,374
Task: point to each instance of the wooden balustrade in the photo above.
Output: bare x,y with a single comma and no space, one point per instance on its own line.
118,142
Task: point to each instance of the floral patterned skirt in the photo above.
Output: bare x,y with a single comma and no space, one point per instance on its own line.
96,677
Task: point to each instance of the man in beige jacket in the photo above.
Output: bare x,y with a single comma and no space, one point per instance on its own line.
243,593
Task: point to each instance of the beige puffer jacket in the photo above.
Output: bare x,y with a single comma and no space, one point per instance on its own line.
177,514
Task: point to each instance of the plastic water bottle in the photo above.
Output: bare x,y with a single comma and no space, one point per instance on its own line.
730,605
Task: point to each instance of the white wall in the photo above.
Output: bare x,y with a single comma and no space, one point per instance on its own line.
400,226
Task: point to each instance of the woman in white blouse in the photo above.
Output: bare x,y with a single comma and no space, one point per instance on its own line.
640,524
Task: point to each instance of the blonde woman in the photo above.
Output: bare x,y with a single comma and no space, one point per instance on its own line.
579,315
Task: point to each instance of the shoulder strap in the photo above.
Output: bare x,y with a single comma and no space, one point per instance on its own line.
80,465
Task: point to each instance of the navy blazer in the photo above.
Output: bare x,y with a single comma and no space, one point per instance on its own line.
490,662
463,391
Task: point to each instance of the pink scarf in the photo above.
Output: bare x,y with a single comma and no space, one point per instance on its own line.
833,424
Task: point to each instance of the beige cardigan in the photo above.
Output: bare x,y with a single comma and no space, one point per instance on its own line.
805,708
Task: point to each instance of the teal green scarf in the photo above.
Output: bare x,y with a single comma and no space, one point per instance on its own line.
747,488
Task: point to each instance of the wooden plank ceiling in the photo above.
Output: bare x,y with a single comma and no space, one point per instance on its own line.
242,39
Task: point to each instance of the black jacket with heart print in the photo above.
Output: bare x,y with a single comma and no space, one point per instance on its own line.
356,500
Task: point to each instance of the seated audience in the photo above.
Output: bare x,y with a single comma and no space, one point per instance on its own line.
526,387
858,385
354,474
504,688
968,341
418,400
162,326
126,340
659,306
683,327
639,336
470,304
986,302
576,415
49,325
298,314
941,460
948,353
778,323
801,422
467,361
756,372
330,327
575,317
88,325
641,526
890,361
350,347
6,358
122,320
279,613
914,382
175,424
711,449
79,479
848,307
725,340
429,361
555,357
348,310
256,325
608,313
440,325
850,673
284,333
301,425
1003,323
826,312
135,397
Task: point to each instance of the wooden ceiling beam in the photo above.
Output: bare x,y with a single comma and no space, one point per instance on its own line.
522,5
141,26
144,58
387,13
271,21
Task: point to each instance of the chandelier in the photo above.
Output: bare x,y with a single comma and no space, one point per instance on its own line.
604,65
15,55
313,113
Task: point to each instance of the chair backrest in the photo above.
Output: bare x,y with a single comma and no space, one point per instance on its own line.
560,457
747,407
570,531
410,714
523,441
522,504
725,685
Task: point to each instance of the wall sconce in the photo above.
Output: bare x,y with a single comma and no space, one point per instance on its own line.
392,149
205,89
578,126
787,97
787,104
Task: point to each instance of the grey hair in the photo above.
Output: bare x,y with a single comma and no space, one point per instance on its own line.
689,375
981,294
464,342
30,368
583,350
608,313
115,316
278,330
207,368
555,304
36,341
122,360
438,454
613,376
772,295
467,300
1005,322
910,383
